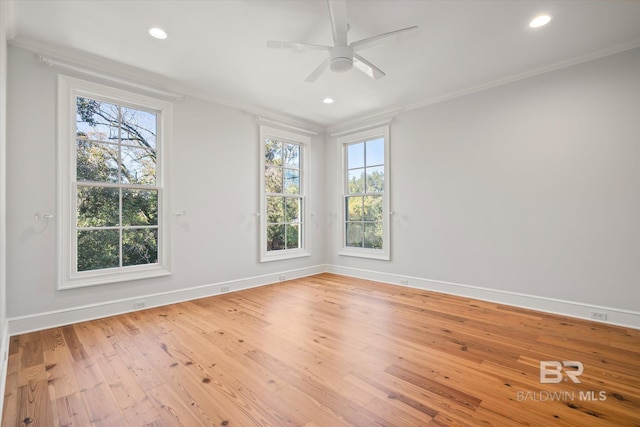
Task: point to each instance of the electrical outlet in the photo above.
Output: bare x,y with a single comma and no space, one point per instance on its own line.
224,288
404,282
598,315
139,304
282,277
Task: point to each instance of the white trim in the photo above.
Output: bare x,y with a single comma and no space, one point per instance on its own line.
39,321
269,122
131,74
4,359
394,111
68,89
525,75
362,128
128,72
615,316
342,142
304,142
94,74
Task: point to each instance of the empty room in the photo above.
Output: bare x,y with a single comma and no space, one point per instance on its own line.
319,213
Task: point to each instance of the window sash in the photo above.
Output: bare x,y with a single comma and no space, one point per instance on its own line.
68,183
362,223
299,172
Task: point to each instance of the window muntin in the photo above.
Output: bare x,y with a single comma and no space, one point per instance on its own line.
365,187
365,228
116,191
111,184
283,195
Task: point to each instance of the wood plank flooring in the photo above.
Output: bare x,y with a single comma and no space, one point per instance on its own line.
325,350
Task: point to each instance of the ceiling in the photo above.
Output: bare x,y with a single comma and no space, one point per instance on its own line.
219,47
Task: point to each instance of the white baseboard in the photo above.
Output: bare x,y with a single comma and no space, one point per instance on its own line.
51,319
4,360
619,317
40,321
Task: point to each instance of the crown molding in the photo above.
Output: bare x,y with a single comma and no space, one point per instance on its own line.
592,56
93,65
359,121
138,76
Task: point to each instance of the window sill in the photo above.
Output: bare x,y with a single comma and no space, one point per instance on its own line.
104,277
282,255
365,253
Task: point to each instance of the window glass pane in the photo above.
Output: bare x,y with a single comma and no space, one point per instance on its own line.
356,181
97,120
138,128
275,237
273,152
292,156
273,180
98,206
98,249
373,208
139,207
293,209
138,166
96,162
293,236
375,152
373,235
375,179
354,209
275,209
355,155
354,234
291,181
139,246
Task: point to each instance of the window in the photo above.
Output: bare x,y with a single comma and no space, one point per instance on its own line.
112,184
283,210
365,194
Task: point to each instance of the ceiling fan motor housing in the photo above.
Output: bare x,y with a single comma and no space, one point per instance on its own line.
341,59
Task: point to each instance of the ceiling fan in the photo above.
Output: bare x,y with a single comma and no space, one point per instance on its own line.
343,56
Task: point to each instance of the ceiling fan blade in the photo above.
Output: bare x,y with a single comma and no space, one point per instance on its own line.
338,14
318,71
385,38
367,67
296,46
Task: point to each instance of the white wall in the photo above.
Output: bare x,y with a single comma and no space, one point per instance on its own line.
531,187
528,188
214,178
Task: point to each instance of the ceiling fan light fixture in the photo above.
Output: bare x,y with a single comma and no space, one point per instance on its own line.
341,65
341,59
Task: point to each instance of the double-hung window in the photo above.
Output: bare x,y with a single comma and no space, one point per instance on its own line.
112,184
365,193
283,212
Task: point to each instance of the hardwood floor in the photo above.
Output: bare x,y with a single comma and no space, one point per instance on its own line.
325,350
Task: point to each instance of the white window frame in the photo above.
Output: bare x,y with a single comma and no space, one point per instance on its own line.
343,142
303,141
68,89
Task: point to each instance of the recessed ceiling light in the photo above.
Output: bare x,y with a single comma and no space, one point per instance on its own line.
328,100
540,21
158,33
